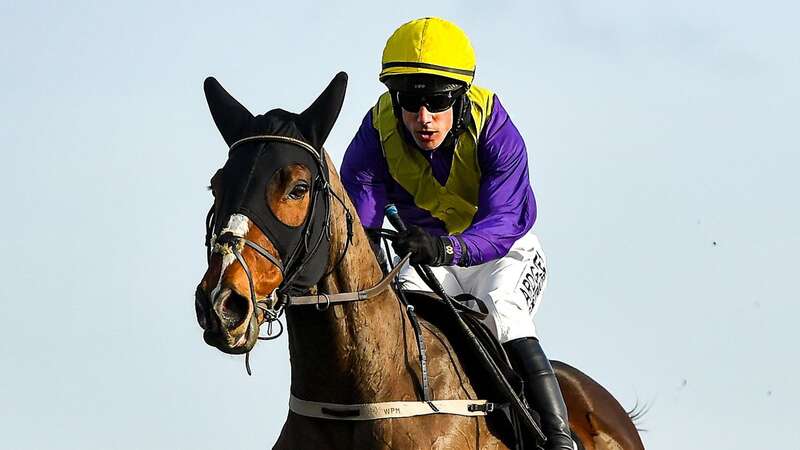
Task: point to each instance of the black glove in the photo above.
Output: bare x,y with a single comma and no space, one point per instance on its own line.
424,248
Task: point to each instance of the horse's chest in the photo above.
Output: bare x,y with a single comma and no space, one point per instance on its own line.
427,432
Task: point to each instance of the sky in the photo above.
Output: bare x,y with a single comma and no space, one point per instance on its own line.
663,147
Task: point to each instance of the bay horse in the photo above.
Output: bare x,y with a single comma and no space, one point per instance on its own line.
281,226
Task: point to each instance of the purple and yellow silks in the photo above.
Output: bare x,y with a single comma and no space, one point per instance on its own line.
506,207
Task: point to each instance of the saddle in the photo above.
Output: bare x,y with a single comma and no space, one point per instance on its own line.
473,310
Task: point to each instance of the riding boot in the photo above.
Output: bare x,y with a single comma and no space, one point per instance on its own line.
541,388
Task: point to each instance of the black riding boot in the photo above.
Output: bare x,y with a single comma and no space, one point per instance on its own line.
541,388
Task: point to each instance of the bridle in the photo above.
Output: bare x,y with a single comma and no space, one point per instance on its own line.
228,242
275,303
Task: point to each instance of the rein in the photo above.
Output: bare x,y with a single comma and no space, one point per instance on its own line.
274,304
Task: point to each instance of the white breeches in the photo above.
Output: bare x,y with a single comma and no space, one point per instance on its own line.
511,287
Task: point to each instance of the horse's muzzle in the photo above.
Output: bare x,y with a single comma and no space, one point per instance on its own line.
228,320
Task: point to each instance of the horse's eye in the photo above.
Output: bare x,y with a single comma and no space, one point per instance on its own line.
299,191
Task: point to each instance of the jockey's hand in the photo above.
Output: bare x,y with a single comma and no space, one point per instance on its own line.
424,247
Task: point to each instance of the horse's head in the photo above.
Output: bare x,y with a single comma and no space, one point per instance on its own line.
267,232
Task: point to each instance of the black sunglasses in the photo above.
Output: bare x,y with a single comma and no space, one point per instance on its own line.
433,102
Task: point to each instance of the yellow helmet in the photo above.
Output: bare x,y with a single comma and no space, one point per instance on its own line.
429,46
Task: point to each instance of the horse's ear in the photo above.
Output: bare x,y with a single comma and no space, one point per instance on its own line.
316,122
231,117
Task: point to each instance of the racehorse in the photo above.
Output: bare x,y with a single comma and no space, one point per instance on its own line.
280,232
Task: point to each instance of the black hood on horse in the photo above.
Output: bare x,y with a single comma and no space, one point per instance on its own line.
257,153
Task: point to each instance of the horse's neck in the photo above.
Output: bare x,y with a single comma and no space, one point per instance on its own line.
351,352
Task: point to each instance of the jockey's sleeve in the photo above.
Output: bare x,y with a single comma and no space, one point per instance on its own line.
506,205
365,174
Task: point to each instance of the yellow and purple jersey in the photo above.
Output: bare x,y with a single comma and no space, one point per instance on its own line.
490,216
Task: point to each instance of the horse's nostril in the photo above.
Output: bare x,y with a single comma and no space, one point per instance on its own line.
201,308
232,309
201,316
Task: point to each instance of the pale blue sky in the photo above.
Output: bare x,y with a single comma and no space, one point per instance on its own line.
654,129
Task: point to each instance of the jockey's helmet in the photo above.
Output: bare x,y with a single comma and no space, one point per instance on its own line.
430,56
428,46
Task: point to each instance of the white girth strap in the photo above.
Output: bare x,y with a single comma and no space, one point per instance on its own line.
388,410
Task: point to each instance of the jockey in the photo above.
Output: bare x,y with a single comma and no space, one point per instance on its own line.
446,153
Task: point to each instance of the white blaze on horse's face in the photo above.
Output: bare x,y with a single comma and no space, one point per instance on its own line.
238,225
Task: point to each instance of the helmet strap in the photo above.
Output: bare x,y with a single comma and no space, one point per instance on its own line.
462,115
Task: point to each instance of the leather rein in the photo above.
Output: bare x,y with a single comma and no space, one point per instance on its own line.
274,304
